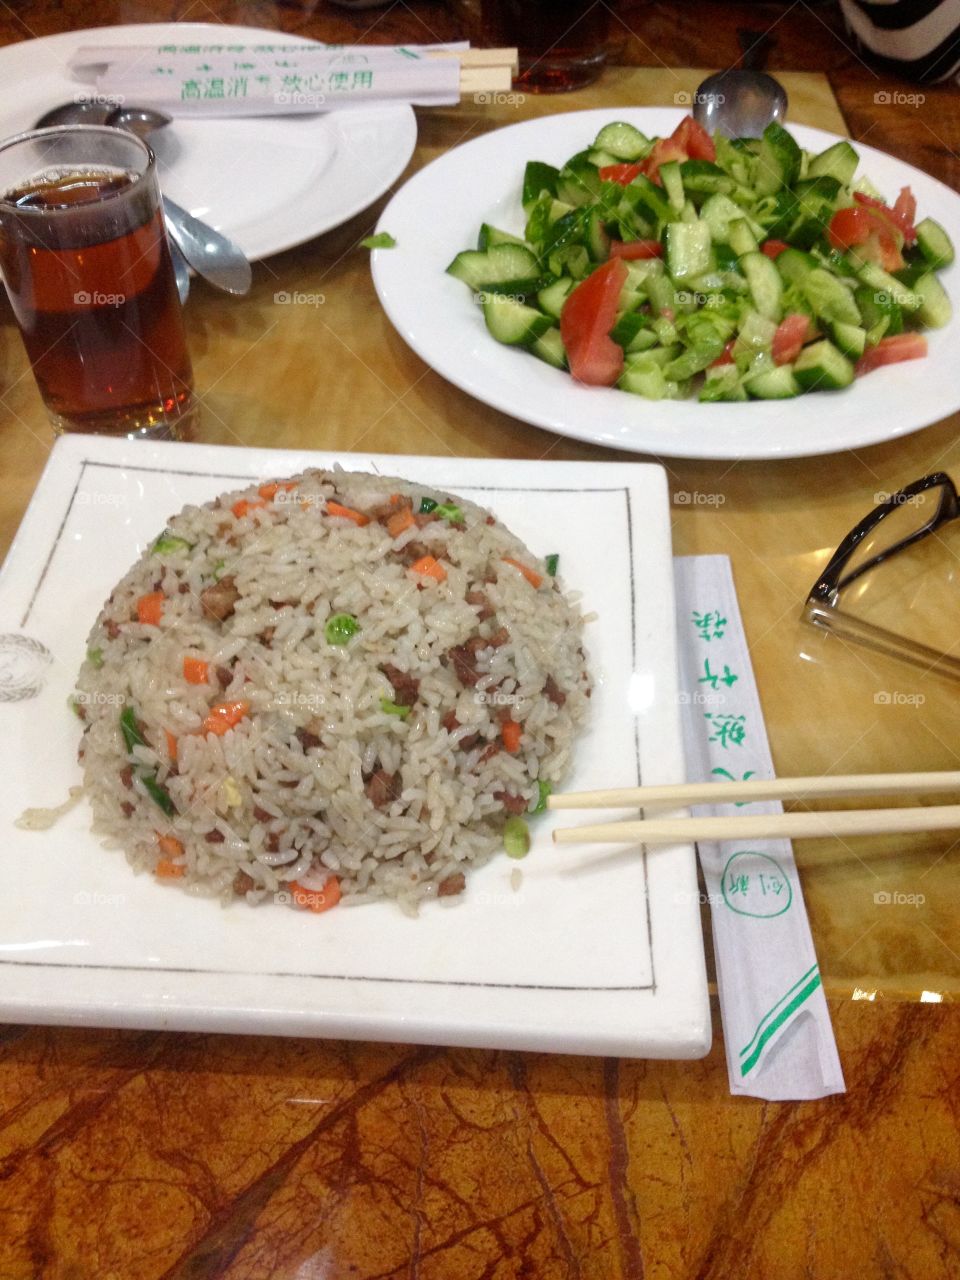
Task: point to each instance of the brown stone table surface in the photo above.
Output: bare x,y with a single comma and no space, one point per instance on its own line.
139,1155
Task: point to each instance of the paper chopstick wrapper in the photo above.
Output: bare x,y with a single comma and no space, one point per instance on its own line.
238,80
776,1025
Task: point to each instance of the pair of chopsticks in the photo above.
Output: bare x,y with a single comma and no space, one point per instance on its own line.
483,70
789,826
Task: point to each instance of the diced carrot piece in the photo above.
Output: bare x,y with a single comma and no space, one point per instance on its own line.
430,568
510,731
243,505
171,745
531,575
196,670
347,513
150,608
171,848
224,716
270,490
317,899
400,521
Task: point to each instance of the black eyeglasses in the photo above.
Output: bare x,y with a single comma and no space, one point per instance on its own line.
903,519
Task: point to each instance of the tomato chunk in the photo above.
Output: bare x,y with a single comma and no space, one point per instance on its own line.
901,215
694,139
868,230
792,332
899,346
664,150
622,173
773,248
636,249
587,317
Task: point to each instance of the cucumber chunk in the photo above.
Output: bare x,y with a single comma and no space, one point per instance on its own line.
766,286
622,141
934,243
512,322
839,161
821,367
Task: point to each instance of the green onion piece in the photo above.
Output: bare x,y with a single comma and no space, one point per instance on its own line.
340,628
551,563
95,658
450,511
132,736
382,240
159,795
427,505
217,569
166,544
516,838
545,789
392,709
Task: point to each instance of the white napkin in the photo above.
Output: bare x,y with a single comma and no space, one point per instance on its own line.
776,1025
263,79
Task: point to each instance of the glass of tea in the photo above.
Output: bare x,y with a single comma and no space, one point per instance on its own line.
562,44
85,259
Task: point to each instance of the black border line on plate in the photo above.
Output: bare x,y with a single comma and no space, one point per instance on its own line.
511,986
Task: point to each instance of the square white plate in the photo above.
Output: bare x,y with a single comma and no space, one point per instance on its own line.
593,952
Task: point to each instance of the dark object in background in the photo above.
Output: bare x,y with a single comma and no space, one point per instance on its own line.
562,43
916,39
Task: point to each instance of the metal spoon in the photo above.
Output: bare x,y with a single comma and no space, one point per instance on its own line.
211,254
739,103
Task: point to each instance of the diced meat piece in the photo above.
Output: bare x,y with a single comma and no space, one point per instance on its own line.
489,753
224,676
382,787
307,739
405,686
184,588
554,692
430,858
273,842
425,518
491,520
242,883
464,659
214,836
219,599
499,637
479,600
266,636
79,710
452,885
414,551
511,803
384,510
450,722
261,815
126,776
112,628
127,808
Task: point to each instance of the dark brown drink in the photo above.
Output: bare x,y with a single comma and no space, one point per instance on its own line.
562,43
87,267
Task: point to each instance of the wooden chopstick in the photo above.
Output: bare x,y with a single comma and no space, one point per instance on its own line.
485,80
688,793
479,57
788,826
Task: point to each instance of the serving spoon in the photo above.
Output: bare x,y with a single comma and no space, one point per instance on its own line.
741,101
211,254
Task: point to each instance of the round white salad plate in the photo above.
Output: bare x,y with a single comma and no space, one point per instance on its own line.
269,182
439,212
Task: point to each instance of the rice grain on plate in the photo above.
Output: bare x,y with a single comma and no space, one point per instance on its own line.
338,686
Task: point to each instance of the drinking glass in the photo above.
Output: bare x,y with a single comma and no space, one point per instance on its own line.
85,260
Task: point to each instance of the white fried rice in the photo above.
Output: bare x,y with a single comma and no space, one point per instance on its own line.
325,775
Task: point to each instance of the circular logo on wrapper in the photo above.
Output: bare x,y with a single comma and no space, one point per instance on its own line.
23,667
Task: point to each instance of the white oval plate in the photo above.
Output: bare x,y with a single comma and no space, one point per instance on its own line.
439,212
268,182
